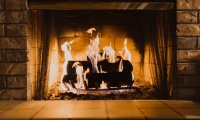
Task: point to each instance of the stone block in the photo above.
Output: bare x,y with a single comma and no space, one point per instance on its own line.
16,5
17,82
199,42
188,81
16,56
187,68
17,17
188,56
16,30
13,94
187,16
2,56
2,17
13,69
2,4
13,43
2,27
186,93
119,31
188,30
2,82
188,4
186,42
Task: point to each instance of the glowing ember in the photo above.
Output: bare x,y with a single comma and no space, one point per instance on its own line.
103,85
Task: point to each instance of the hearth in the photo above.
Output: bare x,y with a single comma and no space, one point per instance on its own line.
103,51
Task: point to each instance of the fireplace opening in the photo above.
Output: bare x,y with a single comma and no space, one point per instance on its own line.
105,53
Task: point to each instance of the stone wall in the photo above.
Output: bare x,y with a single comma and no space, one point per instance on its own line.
13,49
188,49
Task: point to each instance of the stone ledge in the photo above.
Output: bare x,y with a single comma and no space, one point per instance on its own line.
186,42
13,43
188,30
13,69
187,16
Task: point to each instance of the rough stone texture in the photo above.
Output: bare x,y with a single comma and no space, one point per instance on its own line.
186,42
2,82
17,82
16,4
16,30
188,30
2,55
188,56
2,17
13,94
16,56
188,4
1,4
187,68
186,93
1,30
199,42
13,43
188,81
17,17
187,16
13,69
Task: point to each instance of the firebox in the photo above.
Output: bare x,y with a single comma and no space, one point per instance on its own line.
102,48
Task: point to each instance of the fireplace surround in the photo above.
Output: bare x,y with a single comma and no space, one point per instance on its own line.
16,47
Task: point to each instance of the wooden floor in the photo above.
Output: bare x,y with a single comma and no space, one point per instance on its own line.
100,109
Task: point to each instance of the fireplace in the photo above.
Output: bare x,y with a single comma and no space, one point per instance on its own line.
132,45
31,62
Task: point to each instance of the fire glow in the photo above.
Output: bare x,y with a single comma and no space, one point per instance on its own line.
97,61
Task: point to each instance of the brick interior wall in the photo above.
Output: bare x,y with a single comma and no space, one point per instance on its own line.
188,49
13,49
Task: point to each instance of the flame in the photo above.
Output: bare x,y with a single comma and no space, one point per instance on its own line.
103,85
80,75
93,56
93,53
125,53
90,31
109,53
66,48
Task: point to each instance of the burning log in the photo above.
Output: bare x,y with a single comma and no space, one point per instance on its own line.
111,74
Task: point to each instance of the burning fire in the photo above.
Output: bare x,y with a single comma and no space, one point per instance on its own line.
103,85
93,54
